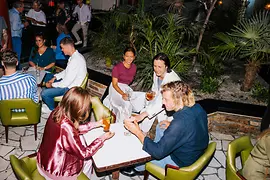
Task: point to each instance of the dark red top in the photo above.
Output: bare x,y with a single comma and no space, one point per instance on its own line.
123,74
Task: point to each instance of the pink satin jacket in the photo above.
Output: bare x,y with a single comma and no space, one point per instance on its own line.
61,152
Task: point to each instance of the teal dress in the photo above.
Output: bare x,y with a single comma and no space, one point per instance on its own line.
44,59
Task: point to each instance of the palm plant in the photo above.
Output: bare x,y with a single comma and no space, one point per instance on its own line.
250,40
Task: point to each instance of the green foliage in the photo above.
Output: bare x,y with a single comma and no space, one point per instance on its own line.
260,92
209,84
211,65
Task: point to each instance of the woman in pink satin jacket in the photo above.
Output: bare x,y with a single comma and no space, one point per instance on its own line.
61,154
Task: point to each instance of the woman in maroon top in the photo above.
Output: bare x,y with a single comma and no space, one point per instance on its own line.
121,97
61,154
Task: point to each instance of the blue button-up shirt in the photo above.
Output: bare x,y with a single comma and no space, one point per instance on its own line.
15,23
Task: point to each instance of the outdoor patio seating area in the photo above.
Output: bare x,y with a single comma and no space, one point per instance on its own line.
21,143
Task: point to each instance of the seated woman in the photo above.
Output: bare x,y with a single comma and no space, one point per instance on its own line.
121,99
60,57
61,154
257,165
41,57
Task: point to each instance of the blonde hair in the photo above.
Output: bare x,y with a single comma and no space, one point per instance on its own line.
180,91
75,105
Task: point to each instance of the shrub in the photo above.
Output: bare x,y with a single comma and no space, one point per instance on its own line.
260,92
209,85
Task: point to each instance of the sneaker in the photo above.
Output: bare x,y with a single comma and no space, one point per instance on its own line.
45,109
78,43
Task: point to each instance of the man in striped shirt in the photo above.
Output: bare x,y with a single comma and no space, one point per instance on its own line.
14,85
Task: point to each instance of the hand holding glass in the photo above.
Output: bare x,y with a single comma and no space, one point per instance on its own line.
150,95
107,123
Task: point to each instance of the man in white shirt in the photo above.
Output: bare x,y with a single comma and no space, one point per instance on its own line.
84,17
72,76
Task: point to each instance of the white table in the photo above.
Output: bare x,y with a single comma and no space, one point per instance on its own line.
118,152
39,78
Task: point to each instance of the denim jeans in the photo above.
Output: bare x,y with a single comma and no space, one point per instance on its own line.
48,95
161,163
17,48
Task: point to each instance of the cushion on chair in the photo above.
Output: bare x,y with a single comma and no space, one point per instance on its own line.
240,145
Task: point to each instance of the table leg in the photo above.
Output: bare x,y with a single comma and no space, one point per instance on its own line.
115,175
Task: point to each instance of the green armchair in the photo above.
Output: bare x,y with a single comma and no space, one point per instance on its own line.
240,146
176,173
26,168
83,85
100,110
31,115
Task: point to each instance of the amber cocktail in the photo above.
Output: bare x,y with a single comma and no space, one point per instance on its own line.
106,122
150,95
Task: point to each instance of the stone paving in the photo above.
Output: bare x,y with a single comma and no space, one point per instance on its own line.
21,143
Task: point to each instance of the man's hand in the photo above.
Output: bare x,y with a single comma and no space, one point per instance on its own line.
49,85
132,126
164,124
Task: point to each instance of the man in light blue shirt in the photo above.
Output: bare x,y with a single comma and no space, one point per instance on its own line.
16,27
14,85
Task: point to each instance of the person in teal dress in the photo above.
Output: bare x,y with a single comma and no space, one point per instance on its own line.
42,57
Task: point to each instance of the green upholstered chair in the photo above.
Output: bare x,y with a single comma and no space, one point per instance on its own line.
26,168
83,85
31,115
176,173
100,110
241,146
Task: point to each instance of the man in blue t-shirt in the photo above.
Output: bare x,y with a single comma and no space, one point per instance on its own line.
185,137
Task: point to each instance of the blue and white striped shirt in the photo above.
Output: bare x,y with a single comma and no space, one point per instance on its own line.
18,85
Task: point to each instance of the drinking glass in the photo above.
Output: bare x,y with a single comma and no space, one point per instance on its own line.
129,93
107,122
37,71
126,115
150,95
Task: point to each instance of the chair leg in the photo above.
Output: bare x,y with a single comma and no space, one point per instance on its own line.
6,131
35,130
146,175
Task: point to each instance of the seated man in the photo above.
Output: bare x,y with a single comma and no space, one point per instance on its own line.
185,138
72,76
13,84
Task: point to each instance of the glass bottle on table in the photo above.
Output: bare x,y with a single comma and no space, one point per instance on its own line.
37,71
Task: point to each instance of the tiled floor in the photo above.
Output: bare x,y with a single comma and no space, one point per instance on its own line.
21,143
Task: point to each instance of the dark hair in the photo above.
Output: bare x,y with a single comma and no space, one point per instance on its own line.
38,3
67,40
17,4
130,49
75,104
35,48
165,58
9,59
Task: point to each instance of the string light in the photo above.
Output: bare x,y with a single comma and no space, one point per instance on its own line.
267,6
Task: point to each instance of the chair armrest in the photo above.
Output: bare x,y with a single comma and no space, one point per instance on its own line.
240,176
170,166
58,98
155,170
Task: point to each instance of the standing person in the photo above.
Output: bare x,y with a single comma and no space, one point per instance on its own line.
13,84
42,57
61,14
61,154
3,33
186,137
257,165
162,75
84,17
72,76
61,58
121,98
37,18
16,27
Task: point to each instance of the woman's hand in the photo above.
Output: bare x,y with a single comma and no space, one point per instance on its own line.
99,123
53,47
107,136
125,96
164,124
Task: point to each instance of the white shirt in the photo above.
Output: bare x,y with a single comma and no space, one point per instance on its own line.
74,73
38,16
84,13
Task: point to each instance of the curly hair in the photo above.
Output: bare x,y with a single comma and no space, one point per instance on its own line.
9,59
180,91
